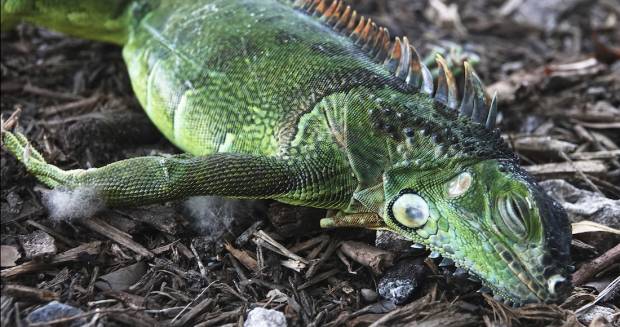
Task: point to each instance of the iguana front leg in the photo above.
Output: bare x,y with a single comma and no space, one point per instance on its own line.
152,179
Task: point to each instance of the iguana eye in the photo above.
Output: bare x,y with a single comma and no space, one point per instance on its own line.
410,210
459,184
513,211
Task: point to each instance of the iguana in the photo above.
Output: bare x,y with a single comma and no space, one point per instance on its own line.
310,103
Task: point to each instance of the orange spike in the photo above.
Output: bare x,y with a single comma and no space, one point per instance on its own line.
332,9
368,32
351,24
384,45
359,28
311,4
321,7
344,18
396,51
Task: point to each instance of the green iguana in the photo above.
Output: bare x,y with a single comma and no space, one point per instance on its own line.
311,104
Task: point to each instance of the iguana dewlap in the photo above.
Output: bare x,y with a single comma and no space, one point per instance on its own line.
310,103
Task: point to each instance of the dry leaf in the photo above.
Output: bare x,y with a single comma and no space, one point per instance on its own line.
586,226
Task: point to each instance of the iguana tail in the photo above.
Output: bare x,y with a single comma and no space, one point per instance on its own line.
103,20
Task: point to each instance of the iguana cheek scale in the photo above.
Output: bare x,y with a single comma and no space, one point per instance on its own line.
310,103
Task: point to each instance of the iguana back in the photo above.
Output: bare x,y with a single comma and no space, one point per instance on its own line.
238,76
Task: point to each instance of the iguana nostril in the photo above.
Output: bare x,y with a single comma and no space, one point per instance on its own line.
558,284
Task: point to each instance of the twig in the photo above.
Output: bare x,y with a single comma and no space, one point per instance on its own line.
567,168
78,104
281,248
201,266
194,311
610,288
333,245
318,278
22,293
590,269
10,122
99,226
28,88
606,154
75,254
580,173
242,256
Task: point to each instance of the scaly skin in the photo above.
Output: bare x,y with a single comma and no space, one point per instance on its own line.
270,102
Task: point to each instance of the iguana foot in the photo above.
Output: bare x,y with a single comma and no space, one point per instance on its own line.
50,175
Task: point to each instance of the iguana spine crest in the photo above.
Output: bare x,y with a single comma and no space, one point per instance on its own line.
402,59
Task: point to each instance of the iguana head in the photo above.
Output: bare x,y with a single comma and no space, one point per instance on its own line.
491,219
439,177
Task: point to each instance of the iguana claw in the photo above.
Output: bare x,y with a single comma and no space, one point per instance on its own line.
17,144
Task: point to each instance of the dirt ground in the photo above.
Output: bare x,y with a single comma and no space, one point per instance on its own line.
555,65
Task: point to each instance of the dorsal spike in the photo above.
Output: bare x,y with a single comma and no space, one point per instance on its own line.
320,8
478,98
357,32
368,32
383,45
405,59
343,21
351,25
467,104
371,41
446,85
393,58
492,117
336,14
427,80
329,12
401,58
419,76
311,5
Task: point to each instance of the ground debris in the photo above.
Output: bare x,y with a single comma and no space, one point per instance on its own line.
56,311
259,317
38,245
400,282
9,256
559,92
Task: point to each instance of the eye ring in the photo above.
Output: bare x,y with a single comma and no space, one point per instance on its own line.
409,210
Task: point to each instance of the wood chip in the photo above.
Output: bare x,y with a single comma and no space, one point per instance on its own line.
118,236
567,169
72,255
121,279
28,293
242,256
367,255
590,269
542,144
595,155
